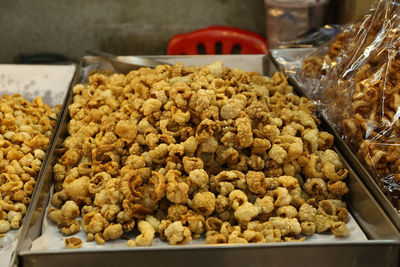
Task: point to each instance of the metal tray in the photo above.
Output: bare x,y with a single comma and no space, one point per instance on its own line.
292,57
50,83
381,248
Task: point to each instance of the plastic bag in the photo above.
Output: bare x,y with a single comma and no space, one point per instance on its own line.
355,81
314,38
287,19
358,91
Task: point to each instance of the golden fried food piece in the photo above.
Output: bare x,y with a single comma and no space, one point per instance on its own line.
146,237
73,242
176,234
339,229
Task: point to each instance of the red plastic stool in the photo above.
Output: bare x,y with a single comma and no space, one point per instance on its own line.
217,40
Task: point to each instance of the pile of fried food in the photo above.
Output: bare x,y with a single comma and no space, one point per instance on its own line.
187,152
25,131
362,68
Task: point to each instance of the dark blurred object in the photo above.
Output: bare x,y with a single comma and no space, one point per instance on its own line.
287,19
217,40
332,17
314,38
351,10
42,58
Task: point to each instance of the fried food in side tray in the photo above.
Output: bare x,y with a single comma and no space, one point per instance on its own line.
25,131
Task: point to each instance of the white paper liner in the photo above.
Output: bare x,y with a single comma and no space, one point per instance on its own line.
48,81
53,239
7,246
51,83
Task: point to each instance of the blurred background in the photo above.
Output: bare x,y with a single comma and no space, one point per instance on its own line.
65,30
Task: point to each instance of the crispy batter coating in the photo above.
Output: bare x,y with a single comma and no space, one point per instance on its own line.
177,192
339,229
213,237
282,196
73,242
245,213
237,198
253,236
323,223
195,223
191,163
286,211
146,237
198,178
286,226
256,182
176,211
66,217
203,203
316,187
308,228
113,231
338,188
93,222
4,226
236,237
177,234
307,213
189,152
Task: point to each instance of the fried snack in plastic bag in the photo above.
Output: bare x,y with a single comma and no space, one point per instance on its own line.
356,86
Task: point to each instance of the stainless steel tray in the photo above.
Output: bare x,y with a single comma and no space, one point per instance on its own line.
50,83
282,58
381,248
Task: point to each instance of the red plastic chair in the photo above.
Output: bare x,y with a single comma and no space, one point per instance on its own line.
217,40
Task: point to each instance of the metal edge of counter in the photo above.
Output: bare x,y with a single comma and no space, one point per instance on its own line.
320,254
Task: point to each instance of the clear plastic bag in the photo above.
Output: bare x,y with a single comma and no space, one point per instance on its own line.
355,81
314,38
